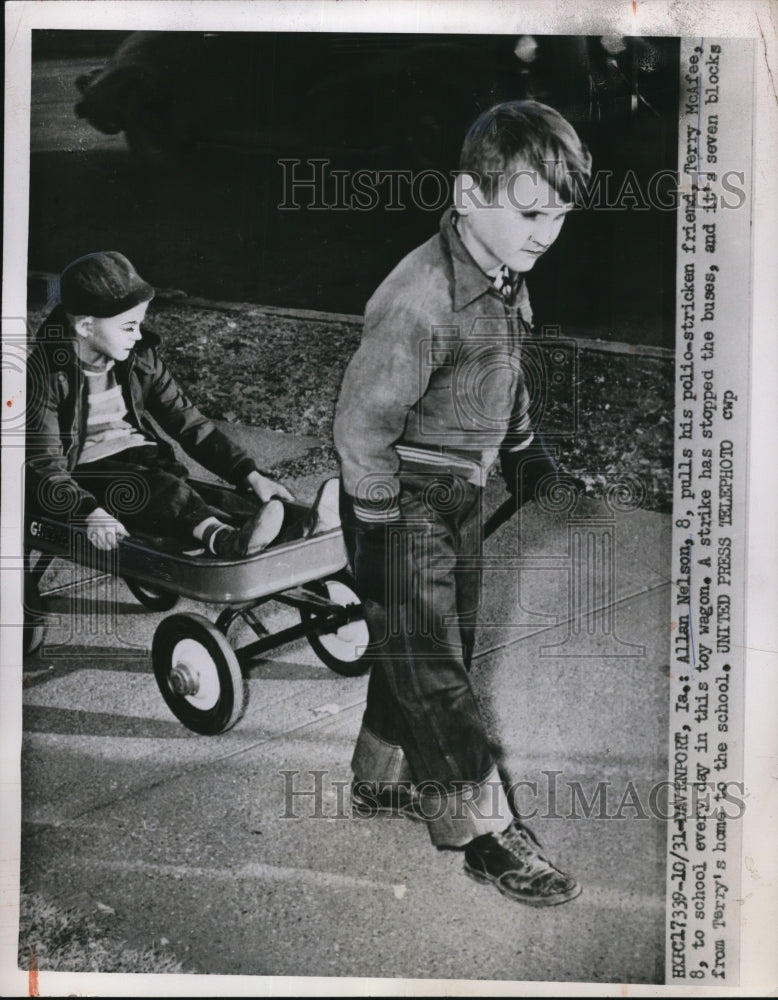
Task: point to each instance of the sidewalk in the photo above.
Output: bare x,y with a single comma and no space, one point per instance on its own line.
208,843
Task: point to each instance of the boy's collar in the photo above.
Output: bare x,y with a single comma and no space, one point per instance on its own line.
96,369
470,281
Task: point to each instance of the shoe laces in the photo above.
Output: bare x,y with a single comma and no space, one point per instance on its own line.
522,841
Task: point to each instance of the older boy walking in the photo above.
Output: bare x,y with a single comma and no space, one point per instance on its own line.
434,396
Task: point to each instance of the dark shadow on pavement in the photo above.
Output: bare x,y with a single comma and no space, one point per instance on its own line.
69,722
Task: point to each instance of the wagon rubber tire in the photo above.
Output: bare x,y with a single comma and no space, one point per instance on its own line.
339,650
198,674
33,632
150,597
34,618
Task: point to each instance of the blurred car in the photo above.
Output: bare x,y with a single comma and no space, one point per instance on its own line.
406,99
172,93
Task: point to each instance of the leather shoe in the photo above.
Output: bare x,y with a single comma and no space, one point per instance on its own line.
512,862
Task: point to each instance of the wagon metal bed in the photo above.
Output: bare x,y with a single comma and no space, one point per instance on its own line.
199,673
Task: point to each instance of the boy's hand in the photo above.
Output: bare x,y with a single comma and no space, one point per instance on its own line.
523,470
266,489
103,530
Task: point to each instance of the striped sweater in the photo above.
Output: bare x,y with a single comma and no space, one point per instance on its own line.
107,429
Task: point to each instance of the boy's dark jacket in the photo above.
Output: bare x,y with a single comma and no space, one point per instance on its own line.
57,411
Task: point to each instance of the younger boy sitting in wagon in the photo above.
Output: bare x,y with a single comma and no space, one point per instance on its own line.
95,376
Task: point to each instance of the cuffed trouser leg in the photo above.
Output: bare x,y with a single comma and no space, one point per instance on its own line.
455,814
378,762
423,593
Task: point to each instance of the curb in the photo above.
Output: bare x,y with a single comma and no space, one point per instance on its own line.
39,283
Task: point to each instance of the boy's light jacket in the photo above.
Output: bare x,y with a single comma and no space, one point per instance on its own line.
437,382
57,408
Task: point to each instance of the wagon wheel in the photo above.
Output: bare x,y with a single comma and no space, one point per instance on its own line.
343,650
198,674
150,597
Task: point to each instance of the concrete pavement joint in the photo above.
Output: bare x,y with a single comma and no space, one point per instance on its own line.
254,870
599,896
607,764
75,584
563,621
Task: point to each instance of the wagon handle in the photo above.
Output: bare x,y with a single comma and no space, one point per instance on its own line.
497,518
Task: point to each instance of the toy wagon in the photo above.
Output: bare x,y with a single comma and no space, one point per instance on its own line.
198,671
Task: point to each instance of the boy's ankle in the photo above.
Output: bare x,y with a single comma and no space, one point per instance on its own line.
226,542
219,539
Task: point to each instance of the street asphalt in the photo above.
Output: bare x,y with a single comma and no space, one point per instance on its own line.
204,844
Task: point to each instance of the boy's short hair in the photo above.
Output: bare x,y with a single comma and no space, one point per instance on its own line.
102,284
525,135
